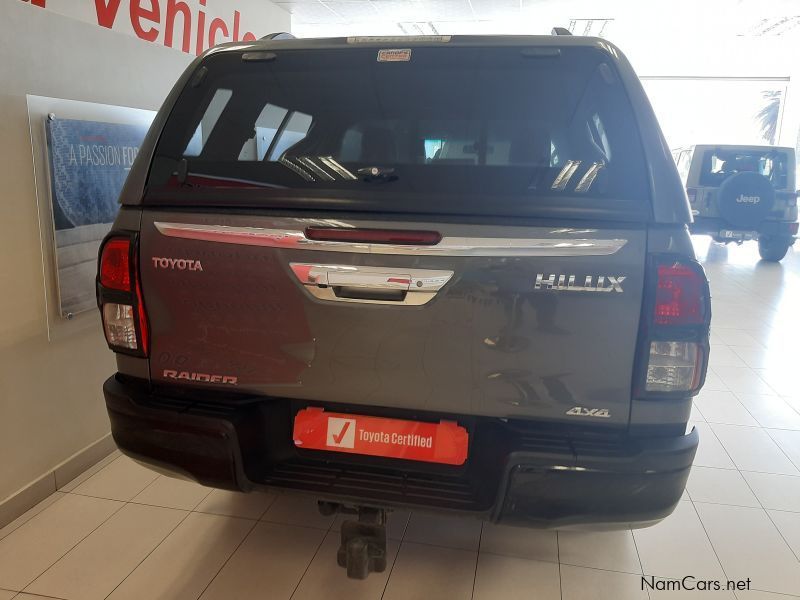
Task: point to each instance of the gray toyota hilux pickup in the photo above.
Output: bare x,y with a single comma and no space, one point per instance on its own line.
446,274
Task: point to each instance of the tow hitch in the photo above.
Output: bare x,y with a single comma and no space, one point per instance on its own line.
363,546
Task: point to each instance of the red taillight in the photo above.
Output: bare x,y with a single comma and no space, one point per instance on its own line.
374,236
793,228
141,315
124,317
680,296
692,194
115,268
675,343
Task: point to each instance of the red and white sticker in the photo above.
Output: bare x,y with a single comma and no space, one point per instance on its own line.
445,442
394,55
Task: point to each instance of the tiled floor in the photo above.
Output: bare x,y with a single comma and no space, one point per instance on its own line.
122,532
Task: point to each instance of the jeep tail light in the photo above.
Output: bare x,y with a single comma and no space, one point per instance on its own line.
692,194
119,296
674,331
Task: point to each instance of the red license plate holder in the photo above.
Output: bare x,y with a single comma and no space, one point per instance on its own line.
445,442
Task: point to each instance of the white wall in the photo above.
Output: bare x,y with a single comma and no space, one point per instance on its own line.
189,25
51,402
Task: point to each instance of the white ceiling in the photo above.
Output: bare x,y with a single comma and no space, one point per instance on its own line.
608,17
739,17
731,38
672,44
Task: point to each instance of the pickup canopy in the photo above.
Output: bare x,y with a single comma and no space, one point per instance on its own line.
498,130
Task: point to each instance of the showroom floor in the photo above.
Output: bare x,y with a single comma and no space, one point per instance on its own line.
121,531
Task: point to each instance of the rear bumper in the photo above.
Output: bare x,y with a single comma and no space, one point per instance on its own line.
713,226
516,474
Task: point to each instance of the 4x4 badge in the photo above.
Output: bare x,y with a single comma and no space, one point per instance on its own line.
579,411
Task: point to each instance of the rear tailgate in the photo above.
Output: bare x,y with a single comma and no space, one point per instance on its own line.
536,321
498,307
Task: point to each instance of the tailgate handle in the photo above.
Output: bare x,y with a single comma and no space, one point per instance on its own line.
372,285
359,278
375,294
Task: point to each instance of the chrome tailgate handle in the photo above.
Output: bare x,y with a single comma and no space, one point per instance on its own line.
371,285
381,281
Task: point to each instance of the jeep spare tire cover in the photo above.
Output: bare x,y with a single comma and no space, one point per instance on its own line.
745,199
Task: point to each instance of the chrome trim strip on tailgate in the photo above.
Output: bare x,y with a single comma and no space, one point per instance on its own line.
414,287
295,239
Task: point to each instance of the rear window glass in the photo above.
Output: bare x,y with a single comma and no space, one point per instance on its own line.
453,124
721,163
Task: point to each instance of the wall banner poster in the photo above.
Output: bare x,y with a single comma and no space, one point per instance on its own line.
89,162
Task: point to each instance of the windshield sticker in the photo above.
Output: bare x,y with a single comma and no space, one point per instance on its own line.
394,55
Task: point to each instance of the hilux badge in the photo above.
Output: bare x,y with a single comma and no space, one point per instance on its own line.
590,284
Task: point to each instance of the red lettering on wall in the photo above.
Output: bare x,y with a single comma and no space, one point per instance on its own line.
173,8
201,27
236,16
146,22
248,37
106,12
153,14
216,25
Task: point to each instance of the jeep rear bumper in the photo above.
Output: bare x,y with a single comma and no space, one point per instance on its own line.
516,473
714,226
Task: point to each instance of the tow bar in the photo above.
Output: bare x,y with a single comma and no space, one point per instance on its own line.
363,546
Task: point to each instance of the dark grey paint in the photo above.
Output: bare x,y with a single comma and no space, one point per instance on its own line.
487,344
431,357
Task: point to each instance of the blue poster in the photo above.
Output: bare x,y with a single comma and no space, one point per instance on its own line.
89,162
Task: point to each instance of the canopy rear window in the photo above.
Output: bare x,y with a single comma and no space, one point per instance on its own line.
456,126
